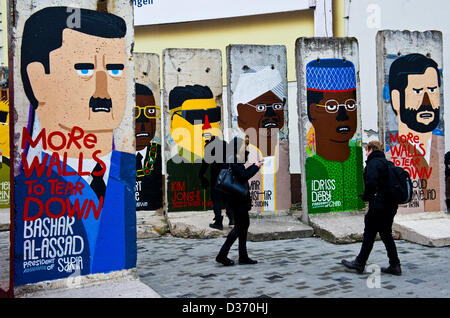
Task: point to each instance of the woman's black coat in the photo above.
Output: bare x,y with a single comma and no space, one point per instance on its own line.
243,175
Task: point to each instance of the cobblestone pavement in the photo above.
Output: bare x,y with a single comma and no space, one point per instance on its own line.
4,260
307,267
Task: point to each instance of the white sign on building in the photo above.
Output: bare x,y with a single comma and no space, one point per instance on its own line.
152,12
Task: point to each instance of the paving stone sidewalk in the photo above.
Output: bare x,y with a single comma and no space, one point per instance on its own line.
307,267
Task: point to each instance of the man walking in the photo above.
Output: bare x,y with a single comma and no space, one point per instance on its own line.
380,215
215,158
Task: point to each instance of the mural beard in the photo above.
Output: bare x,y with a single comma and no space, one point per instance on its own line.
409,118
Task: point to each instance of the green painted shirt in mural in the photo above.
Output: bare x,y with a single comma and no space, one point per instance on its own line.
333,186
4,183
184,188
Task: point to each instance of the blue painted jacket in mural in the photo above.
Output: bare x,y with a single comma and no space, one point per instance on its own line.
105,244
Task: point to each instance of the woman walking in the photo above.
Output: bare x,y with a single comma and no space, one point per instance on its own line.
239,205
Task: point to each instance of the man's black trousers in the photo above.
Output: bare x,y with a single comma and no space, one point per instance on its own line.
378,221
217,197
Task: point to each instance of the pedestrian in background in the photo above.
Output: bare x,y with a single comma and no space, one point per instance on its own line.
239,205
380,215
447,179
214,158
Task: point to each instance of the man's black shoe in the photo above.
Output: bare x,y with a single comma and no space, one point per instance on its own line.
216,226
247,261
225,261
353,265
392,269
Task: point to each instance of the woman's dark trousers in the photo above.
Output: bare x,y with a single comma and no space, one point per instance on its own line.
240,230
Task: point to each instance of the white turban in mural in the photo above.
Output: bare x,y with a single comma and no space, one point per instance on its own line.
254,82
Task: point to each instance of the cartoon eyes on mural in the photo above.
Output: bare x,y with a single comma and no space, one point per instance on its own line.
150,111
115,73
263,107
332,106
193,115
84,69
115,70
87,69
85,73
419,91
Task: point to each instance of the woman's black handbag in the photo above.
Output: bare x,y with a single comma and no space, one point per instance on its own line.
229,184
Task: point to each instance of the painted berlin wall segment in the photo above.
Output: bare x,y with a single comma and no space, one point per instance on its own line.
193,114
331,133
257,108
75,212
4,140
410,94
148,190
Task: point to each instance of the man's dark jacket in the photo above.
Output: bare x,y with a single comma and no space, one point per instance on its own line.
375,182
215,166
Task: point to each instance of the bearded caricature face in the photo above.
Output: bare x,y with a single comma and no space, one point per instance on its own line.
418,105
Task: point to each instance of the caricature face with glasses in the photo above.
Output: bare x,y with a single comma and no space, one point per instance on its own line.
150,111
263,107
332,106
146,115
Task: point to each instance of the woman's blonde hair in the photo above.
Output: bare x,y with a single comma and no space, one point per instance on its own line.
240,151
375,145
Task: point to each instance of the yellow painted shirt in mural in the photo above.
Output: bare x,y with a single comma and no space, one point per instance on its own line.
4,129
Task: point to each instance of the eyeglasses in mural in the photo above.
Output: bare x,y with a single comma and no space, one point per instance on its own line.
148,150
259,112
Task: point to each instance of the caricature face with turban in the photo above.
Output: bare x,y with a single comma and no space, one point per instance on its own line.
259,101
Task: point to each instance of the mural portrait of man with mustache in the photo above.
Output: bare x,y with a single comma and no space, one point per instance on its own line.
414,92
75,79
259,108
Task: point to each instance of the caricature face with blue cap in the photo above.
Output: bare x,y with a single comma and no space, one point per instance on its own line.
331,95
